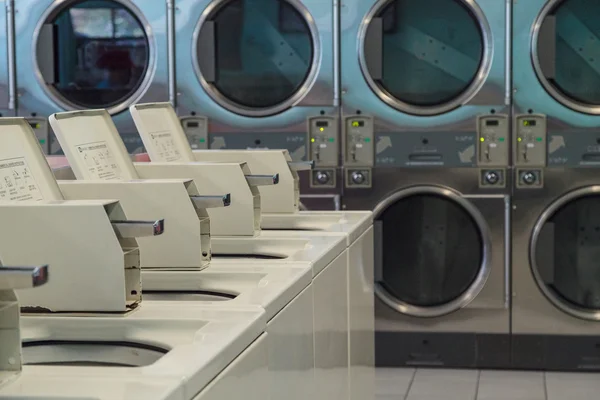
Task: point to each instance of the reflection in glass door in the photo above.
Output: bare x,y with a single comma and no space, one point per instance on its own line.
255,54
567,53
93,53
423,54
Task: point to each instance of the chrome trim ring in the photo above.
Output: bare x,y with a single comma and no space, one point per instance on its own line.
143,87
485,268
236,108
551,89
484,67
568,308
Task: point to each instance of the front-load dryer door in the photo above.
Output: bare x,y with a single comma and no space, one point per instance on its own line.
425,57
565,253
434,251
90,54
566,53
260,57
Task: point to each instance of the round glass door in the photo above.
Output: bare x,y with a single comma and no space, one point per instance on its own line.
565,254
255,57
434,253
93,54
566,53
425,57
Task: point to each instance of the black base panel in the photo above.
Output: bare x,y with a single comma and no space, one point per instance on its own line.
448,350
556,353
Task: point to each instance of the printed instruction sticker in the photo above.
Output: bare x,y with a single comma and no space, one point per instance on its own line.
99,161
16,181
164,146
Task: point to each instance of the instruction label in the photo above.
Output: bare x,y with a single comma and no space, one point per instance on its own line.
164,146
16,182
99,161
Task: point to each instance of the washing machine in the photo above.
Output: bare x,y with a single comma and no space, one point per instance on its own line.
425,144
80,54
556,285
261,74
7,88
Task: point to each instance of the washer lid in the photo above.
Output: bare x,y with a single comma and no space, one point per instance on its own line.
257,57
94,54
425,57
435,252
566,53
565,249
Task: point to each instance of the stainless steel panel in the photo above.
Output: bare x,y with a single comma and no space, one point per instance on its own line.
534,310
489,310
6,79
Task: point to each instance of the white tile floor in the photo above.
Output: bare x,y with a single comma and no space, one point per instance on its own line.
448,384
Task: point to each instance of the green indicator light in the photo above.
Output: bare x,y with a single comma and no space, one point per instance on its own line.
482,139
501,139
202,140
331,140
367,140
539,139
312,140
42,141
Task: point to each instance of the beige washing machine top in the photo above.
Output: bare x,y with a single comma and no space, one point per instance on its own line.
235,229
160,129
270,287
281,218
165,141
95,286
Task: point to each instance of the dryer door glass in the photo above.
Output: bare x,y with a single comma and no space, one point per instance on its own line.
424,53
567,255
567,52
93,54
432,250
255,54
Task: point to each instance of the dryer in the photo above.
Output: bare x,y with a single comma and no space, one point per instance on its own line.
260,74
556,318
80,54
425,98
7,106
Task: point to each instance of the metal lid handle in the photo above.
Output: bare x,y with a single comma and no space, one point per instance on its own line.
22,277
301,165
262,180
137,229
212,201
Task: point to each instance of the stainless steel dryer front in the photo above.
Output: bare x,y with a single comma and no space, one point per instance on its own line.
260,74
410,68
7,82
441,279
556,241
81,54
426,132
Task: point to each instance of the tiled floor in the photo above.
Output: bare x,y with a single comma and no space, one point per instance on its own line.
448,384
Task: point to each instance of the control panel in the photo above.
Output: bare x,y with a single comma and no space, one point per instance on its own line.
42,132
359,151
492,138
196,131
323,141
530,140
358,136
